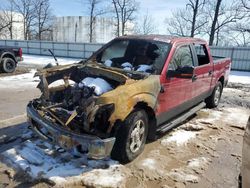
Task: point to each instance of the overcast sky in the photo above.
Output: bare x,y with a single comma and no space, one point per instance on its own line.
159,9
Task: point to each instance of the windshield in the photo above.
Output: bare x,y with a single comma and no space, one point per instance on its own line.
135,55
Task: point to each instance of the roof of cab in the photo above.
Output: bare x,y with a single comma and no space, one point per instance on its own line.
163,38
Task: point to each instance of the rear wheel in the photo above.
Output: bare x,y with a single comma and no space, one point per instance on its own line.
214,99
8,65
131,137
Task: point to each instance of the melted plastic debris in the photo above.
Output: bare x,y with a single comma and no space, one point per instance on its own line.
101,86
144,68
108,63
127,66
60,82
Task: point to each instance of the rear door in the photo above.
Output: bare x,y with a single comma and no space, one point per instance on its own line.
175,91
203,70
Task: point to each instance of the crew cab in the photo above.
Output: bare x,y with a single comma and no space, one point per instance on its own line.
132,89
9,57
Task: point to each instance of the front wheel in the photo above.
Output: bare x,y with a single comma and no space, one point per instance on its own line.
131,137
214,99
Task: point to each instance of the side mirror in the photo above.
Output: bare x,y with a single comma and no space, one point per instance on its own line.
181,72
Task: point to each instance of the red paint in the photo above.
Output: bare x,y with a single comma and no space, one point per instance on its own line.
180,90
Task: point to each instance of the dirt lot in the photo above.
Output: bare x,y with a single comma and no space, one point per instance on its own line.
205,151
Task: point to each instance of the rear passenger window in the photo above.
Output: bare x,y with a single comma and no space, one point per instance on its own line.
202,54
182,58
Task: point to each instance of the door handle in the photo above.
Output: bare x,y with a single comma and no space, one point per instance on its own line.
210,72
194,77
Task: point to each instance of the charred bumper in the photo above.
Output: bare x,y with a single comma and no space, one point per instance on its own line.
96,147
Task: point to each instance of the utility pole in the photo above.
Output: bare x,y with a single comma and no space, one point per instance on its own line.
76,32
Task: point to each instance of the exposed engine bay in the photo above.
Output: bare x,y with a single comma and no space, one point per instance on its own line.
70,98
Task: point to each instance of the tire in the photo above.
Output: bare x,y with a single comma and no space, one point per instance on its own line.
214,99
131,137
8,65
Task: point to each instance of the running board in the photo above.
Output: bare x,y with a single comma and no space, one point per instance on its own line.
180,119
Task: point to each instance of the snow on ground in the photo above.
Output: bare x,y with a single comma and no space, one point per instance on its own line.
180,137
44,60
111,177
179,175
236,116
239,77
19,81
26,80
40,160
189,173
149,163
199,162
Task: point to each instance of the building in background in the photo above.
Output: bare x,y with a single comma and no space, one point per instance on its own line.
64,29
76,29
11,25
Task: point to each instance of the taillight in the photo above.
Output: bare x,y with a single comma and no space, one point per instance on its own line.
20,52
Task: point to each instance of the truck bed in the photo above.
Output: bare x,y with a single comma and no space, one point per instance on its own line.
218,59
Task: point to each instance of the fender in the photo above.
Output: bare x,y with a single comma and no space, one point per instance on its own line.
148,98
9,54
122,110
130,94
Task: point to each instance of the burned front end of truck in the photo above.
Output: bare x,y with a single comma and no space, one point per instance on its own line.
67,113
83,105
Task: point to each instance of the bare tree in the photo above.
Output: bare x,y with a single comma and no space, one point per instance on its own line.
42,17
221,16
241,35
146,25
94,10
176,25
27,10
9,18
239,32
246,4
189,21
6,18
196,7
4,22
124,12
214,21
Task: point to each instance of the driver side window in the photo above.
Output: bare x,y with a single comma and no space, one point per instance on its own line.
181,58
117,49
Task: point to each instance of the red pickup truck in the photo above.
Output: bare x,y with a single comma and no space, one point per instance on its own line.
132,89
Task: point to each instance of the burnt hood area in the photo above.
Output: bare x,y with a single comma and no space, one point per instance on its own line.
69,97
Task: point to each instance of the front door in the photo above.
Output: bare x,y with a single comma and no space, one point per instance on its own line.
176,92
